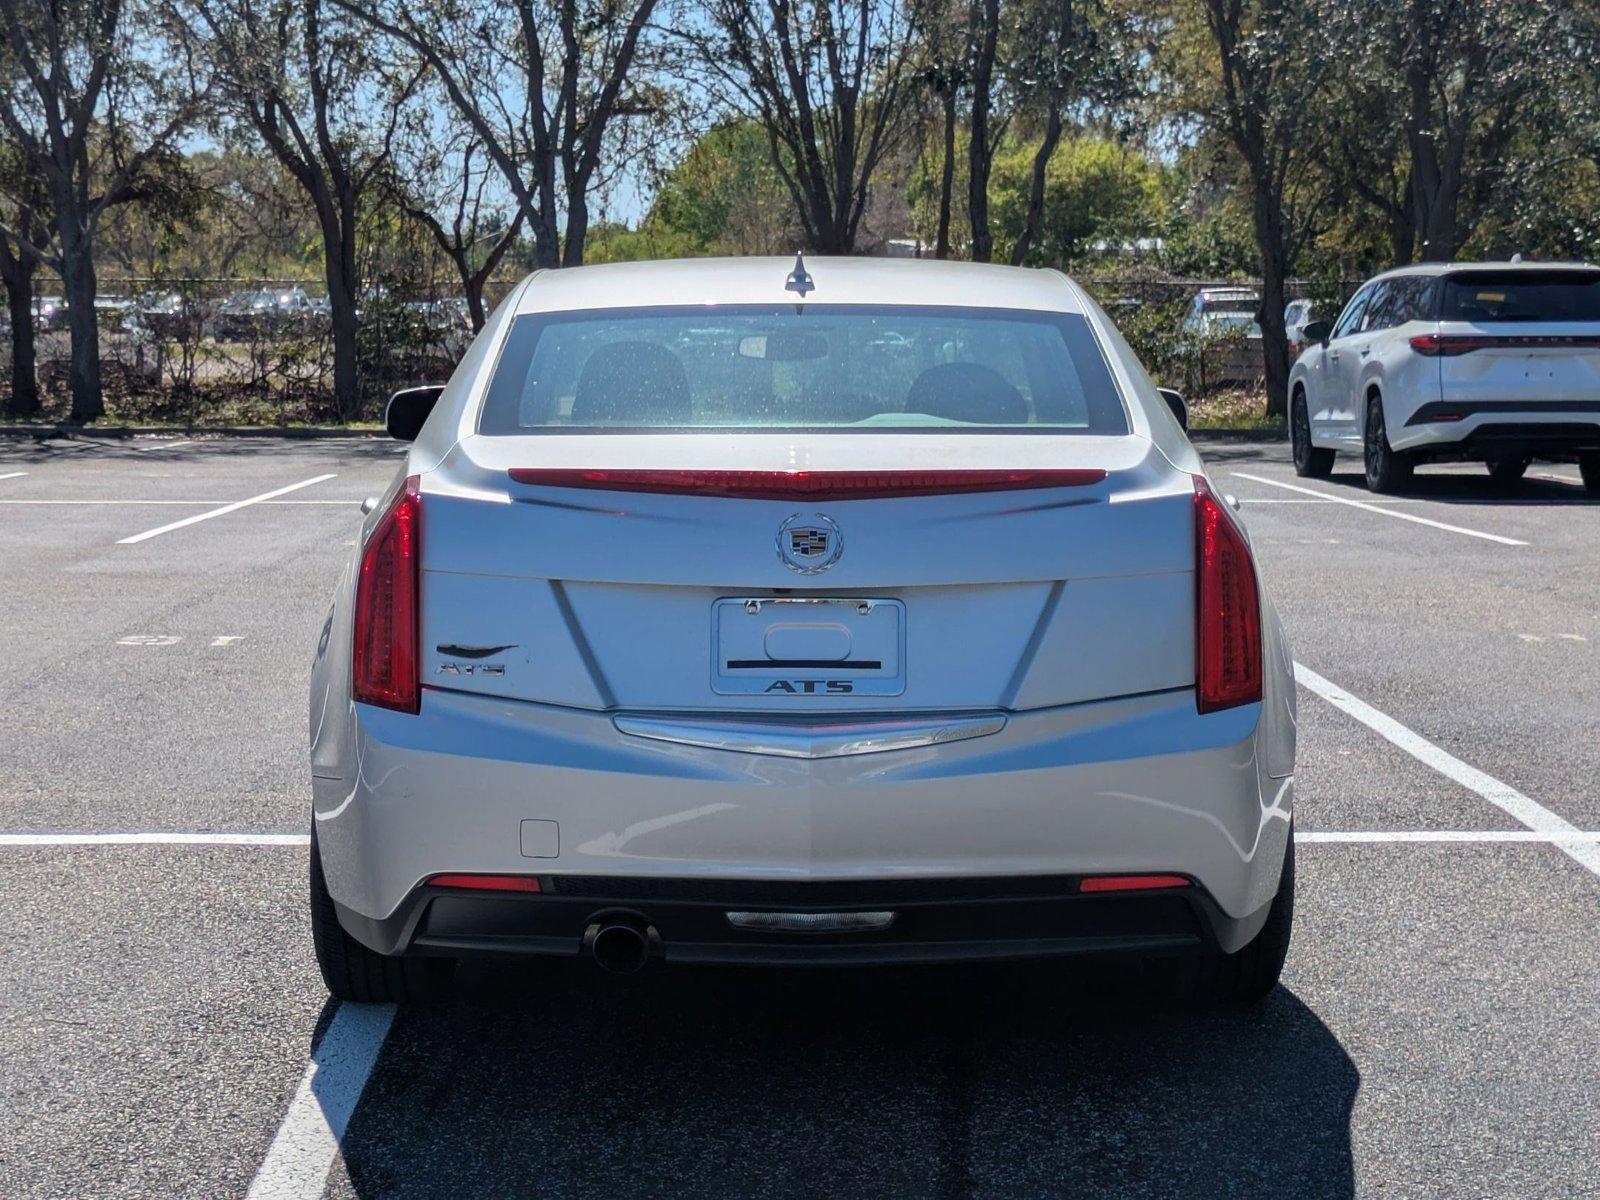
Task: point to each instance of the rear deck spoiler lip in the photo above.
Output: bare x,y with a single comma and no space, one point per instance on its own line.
806,485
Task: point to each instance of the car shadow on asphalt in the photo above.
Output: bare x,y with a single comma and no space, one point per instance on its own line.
1458,488
557,1080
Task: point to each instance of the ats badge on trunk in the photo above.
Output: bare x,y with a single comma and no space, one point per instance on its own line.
809,543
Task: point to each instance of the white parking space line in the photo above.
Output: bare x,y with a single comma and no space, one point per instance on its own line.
1327,500
185,503
159,445
155,839
13,475
223,511
1503,796
1384,512
1445,836
297,1162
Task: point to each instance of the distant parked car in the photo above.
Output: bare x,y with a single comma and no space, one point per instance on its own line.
49,312
1495,362
1296,315
264,310
1218,314
161,314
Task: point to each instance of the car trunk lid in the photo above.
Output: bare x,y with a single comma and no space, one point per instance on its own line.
660,600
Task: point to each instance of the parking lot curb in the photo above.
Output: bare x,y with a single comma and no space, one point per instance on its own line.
1275,433
112,433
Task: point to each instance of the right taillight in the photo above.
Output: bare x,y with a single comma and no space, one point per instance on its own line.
384,658
1227,609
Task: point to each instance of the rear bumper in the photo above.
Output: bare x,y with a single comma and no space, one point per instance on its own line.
476,784
933,920
1483,429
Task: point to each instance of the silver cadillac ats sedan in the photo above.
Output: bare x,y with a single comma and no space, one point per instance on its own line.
835,612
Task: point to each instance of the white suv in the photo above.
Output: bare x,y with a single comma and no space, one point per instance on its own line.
1496,362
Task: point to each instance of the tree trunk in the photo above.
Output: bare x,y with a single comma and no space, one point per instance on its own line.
980,154
1274,337
577,228
947,176
1270,241
77,274
339,258
1041,164
18,271
472,287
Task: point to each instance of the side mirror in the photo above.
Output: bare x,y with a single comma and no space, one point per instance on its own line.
408,409
1179,406
1316,331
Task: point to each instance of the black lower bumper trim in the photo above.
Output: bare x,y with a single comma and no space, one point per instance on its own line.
1447,410
954,920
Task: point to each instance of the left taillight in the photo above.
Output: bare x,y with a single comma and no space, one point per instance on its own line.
387,618
1227,608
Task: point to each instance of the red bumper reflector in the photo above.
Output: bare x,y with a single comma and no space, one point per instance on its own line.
1131,883
805,485
487,883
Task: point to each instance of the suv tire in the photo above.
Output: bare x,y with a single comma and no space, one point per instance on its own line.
1309,461
1387,470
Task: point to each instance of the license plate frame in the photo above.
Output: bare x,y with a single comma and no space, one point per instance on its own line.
857,646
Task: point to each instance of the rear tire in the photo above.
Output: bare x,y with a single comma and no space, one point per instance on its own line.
1248,975
1589,468
1309,461
1508,470
1387,470
353,972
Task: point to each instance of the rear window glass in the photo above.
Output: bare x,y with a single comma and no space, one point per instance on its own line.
822,367
1522,296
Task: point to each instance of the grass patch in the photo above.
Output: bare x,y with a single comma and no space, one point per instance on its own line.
1241,409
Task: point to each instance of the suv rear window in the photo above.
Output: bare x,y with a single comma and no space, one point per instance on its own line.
820,367
1521,296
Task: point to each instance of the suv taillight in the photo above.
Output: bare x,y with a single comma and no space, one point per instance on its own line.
1227,610
384,659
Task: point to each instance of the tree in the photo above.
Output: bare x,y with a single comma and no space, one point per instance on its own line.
1256,82
1068,52
547,89
1435,96
829,83
300,76
25,208
941,30
726,196
94,102
983,133
446,188
1094,192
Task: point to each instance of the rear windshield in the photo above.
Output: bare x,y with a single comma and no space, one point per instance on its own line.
818,368
1522,296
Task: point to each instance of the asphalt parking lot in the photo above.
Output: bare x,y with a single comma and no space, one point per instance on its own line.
163,1031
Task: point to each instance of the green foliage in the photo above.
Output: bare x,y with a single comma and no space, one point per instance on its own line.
724,197
1096,192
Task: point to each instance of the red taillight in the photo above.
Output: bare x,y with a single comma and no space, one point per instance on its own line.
1228,610
1131,883
805,485
1445,345
384,661
487,883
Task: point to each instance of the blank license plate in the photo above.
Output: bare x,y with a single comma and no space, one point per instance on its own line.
807,646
